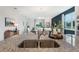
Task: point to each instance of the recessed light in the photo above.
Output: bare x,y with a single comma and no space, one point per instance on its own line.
15,8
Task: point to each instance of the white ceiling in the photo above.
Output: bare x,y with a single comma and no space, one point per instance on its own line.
37,11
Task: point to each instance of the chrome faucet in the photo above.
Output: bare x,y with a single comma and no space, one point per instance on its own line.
39,35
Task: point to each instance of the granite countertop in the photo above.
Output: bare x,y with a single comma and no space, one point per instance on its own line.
11,44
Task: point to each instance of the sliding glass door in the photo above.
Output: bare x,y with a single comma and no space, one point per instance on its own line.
69,27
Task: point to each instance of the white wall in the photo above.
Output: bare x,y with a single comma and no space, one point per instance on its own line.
20,24
2,27
12,14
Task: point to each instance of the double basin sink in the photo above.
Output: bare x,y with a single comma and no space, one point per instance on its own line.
38,44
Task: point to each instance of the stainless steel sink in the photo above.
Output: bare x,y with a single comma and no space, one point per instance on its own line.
29,44
39,43
48,44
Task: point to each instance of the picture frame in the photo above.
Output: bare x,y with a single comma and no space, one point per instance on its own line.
9,21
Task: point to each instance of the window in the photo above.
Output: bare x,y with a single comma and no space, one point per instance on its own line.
69,22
